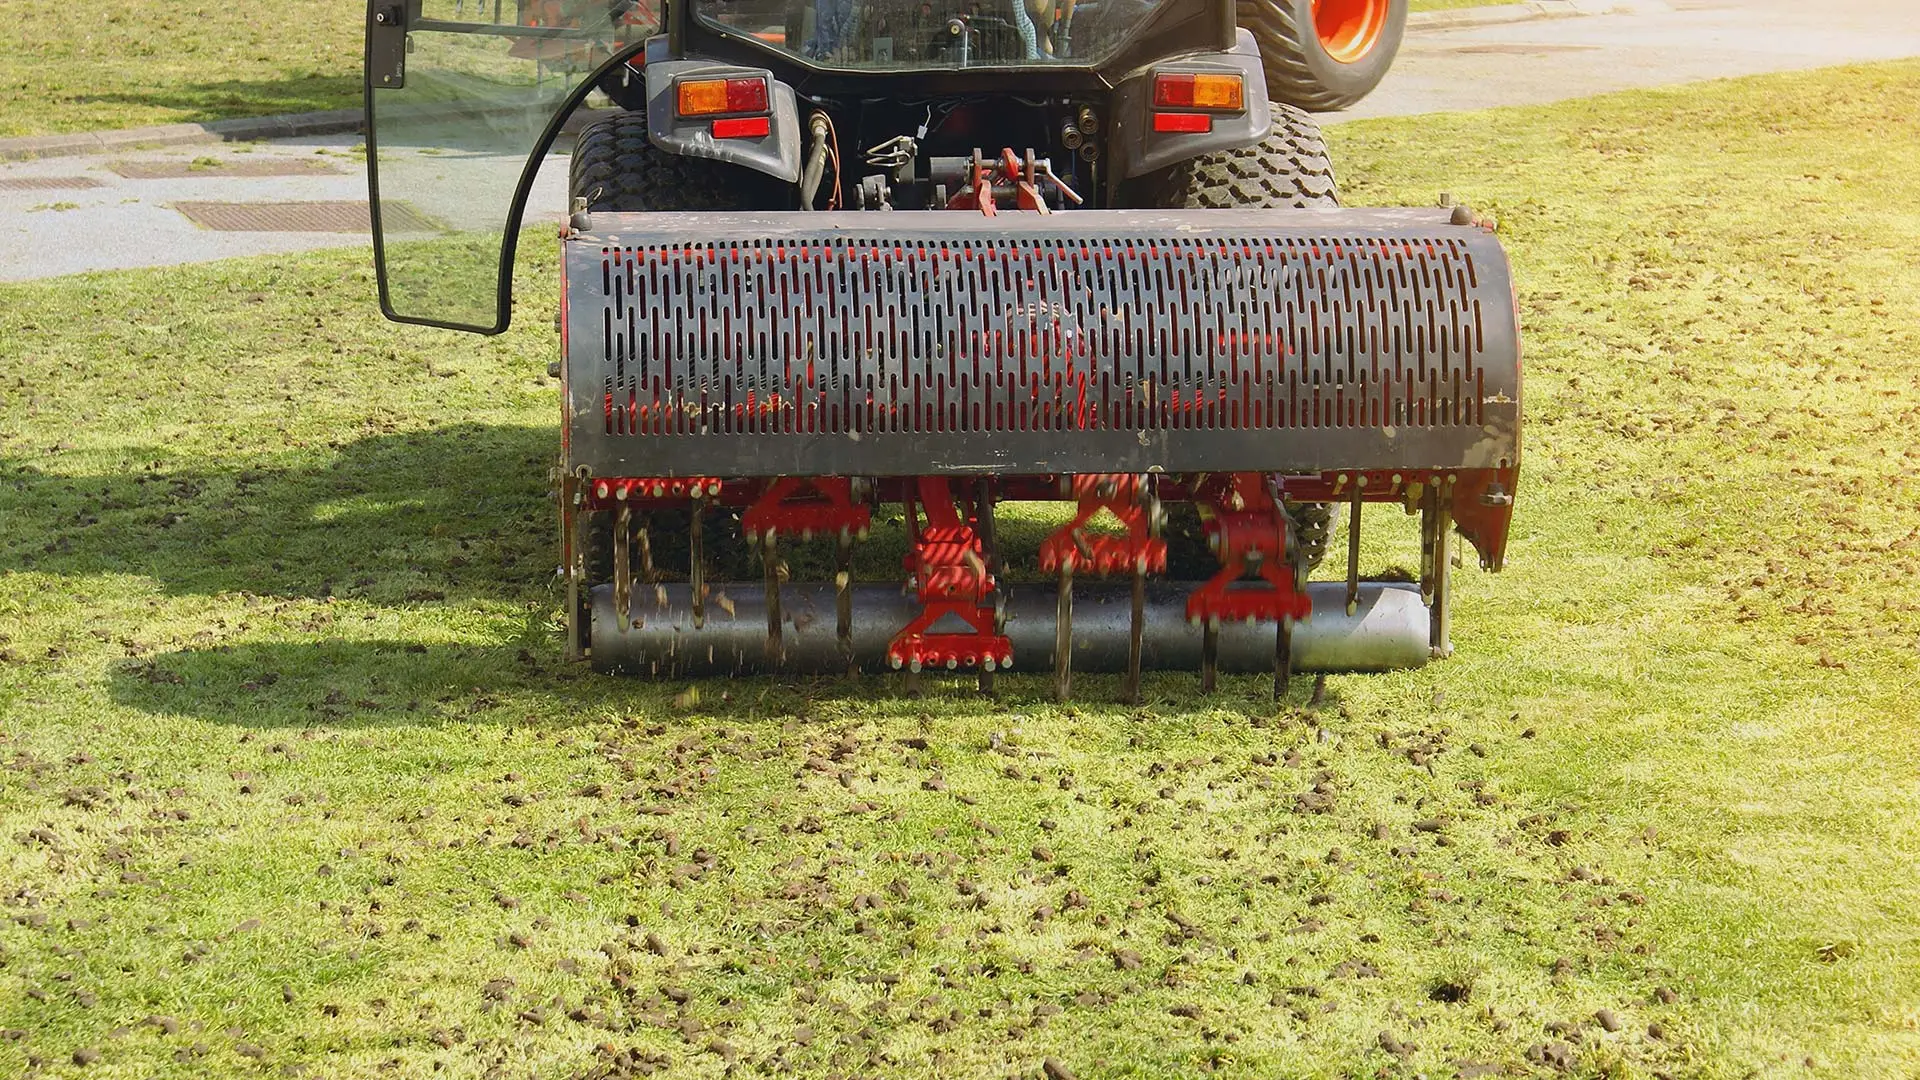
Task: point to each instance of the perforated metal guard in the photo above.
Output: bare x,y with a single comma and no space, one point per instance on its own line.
1085,341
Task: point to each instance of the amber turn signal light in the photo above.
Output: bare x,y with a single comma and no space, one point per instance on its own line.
707,97
1182,90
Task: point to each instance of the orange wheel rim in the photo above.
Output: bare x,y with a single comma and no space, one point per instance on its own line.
1349,29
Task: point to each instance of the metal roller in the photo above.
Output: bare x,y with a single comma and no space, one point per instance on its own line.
1389,629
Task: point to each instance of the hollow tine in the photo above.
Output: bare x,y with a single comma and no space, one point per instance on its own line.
1429,548
770,558
983,524
910,678
622,568
1353,552
1440,603
1209,656
1063,636
1130,686
570,551
1282,658
697,563
843,600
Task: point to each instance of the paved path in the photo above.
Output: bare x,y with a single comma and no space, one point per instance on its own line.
126,221
1657,44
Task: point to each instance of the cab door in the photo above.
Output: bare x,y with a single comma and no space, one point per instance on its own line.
463,99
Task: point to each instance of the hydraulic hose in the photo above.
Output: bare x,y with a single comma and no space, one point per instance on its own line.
816,161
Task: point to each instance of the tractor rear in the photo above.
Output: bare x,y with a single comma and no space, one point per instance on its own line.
895,274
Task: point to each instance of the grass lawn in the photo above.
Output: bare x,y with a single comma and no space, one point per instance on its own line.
291,778
119,63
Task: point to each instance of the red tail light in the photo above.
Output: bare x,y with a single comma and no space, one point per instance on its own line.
705,97
1182,90
743,127
1182,122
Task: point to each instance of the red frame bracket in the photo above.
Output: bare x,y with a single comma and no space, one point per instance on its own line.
951,578
1248,530
807,506
1075,550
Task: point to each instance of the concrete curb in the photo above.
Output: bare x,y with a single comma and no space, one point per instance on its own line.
288,126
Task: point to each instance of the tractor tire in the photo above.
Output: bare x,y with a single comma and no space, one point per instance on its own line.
1289,169
1324,55
616,168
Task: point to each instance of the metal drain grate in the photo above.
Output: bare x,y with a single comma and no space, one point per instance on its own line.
323,217
176,170
48,183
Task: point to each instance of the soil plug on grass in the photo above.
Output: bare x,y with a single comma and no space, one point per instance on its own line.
1555,1055
1396,1047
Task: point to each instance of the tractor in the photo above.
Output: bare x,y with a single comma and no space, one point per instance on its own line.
900,273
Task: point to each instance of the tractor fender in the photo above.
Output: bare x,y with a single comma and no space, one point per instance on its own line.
777,153
1140,150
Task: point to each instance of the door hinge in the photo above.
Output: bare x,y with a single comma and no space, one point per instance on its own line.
387,44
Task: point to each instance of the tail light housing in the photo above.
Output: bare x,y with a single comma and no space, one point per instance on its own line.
1224,92
740,103
1184,101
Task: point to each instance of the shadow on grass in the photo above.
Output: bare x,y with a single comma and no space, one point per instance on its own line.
226,99
372,683
524,681
455,516
457,513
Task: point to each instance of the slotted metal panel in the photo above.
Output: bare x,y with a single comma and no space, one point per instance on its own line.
950,342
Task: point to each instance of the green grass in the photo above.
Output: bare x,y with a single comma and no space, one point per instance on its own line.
290,764
121,64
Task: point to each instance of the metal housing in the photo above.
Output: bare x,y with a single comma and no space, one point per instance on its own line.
777,153
752,345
